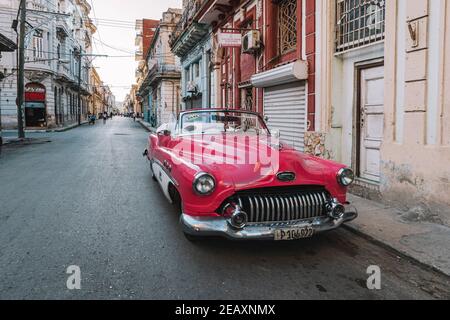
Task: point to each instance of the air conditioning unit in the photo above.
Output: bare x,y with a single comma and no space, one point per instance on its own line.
251,42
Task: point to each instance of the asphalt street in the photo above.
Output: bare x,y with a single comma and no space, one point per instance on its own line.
87,199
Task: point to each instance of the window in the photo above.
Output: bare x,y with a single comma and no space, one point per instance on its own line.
38,45
358,23
247,98
287,27
188,73
197,69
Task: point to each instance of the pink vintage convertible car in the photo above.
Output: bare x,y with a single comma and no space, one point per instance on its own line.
232,177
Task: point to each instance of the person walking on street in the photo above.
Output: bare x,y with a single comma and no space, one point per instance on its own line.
134,117
105,116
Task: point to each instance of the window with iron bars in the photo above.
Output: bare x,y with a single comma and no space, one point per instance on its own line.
359,23
247,98
38,45
287,25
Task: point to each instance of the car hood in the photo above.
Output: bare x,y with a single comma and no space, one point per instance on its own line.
252,161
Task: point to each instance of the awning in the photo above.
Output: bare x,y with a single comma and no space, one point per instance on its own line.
35,105
295,71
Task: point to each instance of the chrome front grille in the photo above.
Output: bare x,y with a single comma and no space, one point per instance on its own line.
283,206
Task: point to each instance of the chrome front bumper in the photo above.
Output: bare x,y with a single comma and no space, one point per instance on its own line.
219,226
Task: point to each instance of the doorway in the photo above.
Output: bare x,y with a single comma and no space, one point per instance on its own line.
370,122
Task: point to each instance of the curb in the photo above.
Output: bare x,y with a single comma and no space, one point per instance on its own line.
26,141
68,128
389,247
73,126
149,129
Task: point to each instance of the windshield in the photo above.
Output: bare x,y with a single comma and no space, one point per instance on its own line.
214,122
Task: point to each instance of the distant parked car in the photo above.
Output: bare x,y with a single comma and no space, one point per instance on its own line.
202,163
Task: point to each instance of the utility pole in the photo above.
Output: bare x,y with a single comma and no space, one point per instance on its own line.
80,54
21,72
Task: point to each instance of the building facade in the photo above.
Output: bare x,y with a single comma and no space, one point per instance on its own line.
160,87
382,99
271,70
192,43
145,33
58,39
96,103
361,82
6,45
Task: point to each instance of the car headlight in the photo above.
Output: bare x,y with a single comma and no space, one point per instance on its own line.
345,177
204,184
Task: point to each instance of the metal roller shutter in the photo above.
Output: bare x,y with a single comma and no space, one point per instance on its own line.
285,106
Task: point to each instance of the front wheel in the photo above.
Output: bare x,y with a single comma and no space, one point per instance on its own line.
151,170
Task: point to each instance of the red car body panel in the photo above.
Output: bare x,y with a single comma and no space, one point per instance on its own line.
186,156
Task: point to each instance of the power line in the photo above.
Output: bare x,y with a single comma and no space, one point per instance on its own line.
95,16
111,47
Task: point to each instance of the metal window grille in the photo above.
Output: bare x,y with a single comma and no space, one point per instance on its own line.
359,23
287,28
247,98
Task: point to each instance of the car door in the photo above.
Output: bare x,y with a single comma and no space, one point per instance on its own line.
162,164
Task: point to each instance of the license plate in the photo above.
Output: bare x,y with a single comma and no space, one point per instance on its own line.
293,233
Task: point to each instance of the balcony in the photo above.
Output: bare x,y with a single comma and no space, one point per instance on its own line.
158,72
189,38
62,28
139,55
188,31
36,5
40,62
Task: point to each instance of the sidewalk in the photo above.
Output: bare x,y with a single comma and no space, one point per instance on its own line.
59,129
147,126
427,243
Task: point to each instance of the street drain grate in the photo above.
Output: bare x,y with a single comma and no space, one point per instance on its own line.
122,134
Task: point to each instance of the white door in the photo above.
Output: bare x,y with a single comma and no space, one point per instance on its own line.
371,122
285,107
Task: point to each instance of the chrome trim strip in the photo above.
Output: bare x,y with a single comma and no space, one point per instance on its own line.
266,208
292,213
272,206
218,226
252,211
257,209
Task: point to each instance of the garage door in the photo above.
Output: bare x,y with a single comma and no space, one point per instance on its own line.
285,106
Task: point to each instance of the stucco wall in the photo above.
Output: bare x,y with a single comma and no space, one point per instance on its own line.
416,148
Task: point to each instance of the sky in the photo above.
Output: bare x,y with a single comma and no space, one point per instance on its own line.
115,20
